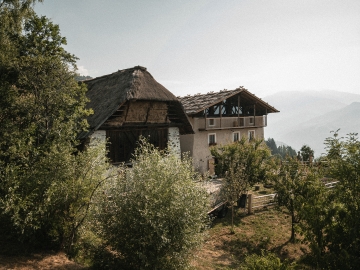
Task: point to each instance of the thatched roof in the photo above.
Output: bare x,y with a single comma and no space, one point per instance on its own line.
107,93
199,102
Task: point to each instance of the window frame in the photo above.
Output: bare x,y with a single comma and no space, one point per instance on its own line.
238,136
249,136
209,142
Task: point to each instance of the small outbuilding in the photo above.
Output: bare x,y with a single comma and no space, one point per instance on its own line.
129,103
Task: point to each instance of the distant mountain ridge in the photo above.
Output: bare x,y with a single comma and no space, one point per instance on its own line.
308,117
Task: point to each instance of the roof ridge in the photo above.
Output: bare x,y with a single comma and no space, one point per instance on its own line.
119,71
213,92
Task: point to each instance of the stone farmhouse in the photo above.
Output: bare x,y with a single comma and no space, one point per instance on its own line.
130,103
219,118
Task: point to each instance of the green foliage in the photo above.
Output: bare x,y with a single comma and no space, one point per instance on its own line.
266,261
153,215
243,163
306,153
327,218
285,151
282,151
343,230
45,184
296,185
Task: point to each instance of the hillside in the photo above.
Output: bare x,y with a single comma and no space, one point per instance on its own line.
308,117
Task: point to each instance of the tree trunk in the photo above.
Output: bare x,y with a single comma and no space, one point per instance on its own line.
292,238
232,218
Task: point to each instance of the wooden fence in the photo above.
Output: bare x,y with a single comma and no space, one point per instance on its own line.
257,202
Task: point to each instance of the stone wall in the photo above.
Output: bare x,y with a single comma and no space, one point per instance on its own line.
174,141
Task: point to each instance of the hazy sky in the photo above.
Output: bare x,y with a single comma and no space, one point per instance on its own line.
197,46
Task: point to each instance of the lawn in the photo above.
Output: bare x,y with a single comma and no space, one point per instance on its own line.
267,229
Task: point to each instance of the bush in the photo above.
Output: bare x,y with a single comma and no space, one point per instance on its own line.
153,215
266,261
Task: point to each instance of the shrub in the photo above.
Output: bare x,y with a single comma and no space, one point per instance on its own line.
153,215
266,261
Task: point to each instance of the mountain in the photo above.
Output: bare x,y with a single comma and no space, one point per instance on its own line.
308,117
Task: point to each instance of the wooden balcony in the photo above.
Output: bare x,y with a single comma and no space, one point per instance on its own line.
232,122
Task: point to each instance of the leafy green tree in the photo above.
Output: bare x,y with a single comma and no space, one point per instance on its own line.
306,153
270,142
281,150
328,218
296,185
153,215
285,151
343,230
243,163
45,184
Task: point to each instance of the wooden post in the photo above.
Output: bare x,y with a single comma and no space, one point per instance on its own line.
220,113
238,110
254,113
266,113
205,119
250,202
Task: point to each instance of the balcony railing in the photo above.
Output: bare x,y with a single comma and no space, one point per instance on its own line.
231,122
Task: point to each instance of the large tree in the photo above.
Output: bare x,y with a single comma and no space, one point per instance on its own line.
45,185
343,231
296,186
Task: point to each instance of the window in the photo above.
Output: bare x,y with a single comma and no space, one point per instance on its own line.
251,120
251,135
212,139
236,136
211,122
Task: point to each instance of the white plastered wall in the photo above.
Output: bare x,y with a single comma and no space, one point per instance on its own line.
174,141
198,146
99,136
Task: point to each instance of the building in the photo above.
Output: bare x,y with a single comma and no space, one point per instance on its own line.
220,118
129,103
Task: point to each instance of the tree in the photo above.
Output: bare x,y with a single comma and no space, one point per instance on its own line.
270,142
45,184
307,153
285,151
243,163
327,218
296,185
153,215
343,230
282,150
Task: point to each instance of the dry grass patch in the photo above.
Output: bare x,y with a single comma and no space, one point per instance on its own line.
46,261
265,230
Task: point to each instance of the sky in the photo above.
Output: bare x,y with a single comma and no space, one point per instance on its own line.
199,46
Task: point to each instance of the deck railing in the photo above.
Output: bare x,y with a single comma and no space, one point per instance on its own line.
232,122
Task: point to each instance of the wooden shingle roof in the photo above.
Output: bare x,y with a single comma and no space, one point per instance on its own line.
199,102
107,93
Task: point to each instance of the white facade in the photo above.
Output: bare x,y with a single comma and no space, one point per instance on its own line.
198,144
174,141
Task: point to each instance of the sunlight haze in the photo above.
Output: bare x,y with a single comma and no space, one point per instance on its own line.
200,46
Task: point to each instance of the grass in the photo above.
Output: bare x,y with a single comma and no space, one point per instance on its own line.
268,230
